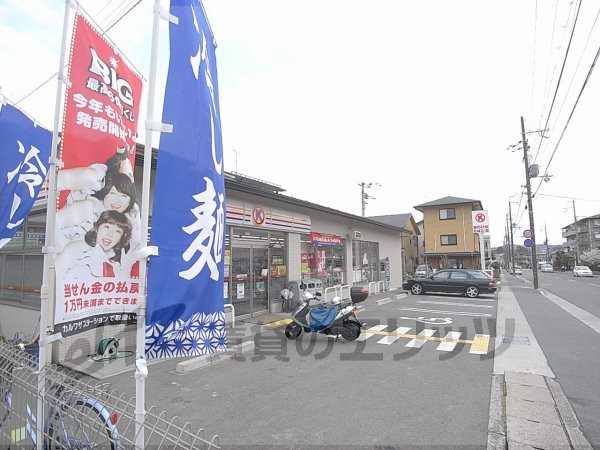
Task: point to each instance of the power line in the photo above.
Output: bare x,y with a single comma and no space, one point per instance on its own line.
559,77
576,69
571,115
56,73
570,198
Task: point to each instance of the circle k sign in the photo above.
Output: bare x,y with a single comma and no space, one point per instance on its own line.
481,222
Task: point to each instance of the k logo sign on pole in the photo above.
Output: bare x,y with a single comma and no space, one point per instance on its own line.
185,282
481,223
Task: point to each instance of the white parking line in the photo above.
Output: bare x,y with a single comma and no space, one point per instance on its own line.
452,313
449,346
391,339
367,335
418,343
432,302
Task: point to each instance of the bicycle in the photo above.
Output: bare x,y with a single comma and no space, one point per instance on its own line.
74,419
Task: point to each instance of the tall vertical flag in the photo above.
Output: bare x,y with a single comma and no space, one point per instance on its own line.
185,282
98,217
24,154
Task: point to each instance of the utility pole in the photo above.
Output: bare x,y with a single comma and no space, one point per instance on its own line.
576,235
546,243
365,196
530,206
507,261
512,246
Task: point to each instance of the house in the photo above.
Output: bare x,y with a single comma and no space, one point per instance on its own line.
409,237
583,235
448,233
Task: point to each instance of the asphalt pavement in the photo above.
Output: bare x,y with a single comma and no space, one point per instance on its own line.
512,370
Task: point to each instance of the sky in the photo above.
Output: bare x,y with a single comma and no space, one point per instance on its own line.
421,99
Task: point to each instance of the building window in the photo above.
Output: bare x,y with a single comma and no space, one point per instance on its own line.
448,239
447,214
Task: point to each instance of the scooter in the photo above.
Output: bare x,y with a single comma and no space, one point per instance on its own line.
330,319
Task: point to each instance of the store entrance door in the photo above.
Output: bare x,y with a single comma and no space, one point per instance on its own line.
250,279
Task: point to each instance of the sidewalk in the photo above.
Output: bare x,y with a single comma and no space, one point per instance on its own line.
528,408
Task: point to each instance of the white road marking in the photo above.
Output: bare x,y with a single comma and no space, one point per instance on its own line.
418,343
432,302
449,346
452,313
592,284
585,317
430,320
366,335
391,339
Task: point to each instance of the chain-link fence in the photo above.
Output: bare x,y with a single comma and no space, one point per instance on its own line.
79,412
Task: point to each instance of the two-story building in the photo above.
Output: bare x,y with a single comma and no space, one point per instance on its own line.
449,240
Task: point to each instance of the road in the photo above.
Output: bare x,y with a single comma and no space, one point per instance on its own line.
398,386
401,384
571,346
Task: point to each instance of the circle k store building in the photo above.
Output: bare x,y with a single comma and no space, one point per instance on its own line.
271,240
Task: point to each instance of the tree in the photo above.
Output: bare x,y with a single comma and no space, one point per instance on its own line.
563,260
591,257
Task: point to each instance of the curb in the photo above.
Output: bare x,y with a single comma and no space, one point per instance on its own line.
531,429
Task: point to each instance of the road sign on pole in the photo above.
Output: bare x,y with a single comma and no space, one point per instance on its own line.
528,243
527,234
481,223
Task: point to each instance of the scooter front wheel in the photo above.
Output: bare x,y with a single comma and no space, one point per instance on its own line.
350,331
293,330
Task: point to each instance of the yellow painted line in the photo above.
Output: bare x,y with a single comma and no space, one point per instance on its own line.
480,344
278,323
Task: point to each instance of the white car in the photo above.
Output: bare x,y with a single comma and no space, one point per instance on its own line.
518,270
547,268
582,271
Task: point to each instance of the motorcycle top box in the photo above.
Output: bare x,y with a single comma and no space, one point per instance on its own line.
359,293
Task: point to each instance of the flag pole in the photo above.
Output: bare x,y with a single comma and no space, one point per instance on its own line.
47,294
141,368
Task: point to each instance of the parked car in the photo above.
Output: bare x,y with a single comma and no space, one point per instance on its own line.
547,268
423,270
459,281
518,270
582,271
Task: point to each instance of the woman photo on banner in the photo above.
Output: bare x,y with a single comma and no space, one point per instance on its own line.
93,190
100,253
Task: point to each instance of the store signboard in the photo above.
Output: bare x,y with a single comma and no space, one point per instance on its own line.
325,239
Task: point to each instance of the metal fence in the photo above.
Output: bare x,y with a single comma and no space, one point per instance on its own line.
79,412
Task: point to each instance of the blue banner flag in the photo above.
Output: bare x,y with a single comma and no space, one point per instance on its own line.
185,282
24,155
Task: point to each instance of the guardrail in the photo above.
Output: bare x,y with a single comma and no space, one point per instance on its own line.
79,412
339,290
376,287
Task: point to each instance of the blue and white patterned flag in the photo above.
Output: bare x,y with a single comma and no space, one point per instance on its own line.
24,154
185,282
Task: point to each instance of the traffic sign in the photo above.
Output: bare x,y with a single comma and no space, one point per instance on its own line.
528,243
527,234
480,221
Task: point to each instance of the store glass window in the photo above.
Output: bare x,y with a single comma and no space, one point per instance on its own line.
322,258
365,262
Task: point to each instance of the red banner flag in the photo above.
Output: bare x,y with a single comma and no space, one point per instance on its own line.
98,216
